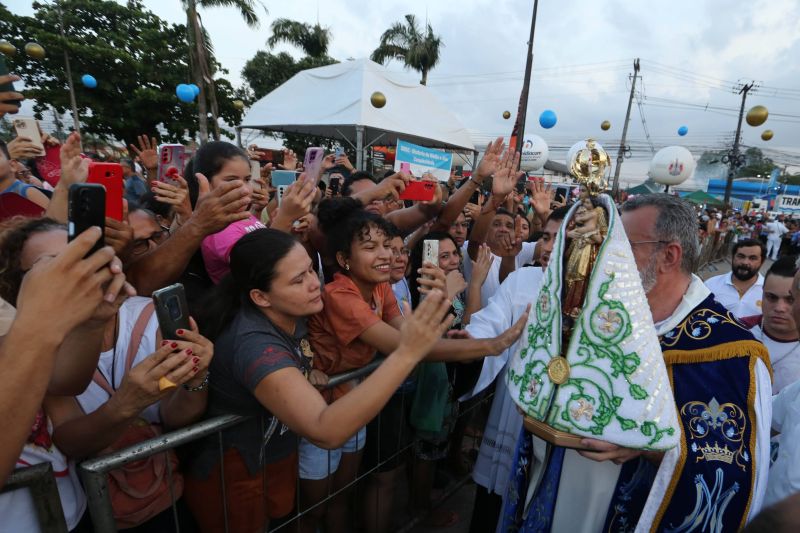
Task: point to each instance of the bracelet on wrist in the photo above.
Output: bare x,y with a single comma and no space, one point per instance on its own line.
476,182
200,387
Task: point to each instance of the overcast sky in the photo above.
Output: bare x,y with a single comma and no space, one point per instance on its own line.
693,52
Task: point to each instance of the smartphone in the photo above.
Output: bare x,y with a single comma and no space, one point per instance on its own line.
172,310
339,152
419,190
281,179
255,170
562,192
6,87
313,161
27,127
170,162
269,156
430,254
335,185
86,207
520,186
109,175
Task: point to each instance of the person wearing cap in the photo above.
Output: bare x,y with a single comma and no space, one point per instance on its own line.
135,187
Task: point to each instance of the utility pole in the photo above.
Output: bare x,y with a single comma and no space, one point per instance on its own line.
518,133
75,120
621,154
734,160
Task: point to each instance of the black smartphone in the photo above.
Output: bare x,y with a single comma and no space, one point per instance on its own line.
335,184
520,186
562,193
86,208
172,310
8,86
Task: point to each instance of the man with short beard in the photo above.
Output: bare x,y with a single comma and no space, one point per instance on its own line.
740,290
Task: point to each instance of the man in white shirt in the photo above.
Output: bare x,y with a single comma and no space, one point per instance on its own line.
775,231
493,466
740,290
776,328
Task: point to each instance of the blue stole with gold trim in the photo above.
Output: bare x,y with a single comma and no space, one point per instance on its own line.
711,360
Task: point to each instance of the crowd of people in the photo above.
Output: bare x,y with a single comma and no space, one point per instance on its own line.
288,290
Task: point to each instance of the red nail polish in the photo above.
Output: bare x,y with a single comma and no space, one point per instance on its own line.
174,344
195,360
194,370
188,351
179,332
164,342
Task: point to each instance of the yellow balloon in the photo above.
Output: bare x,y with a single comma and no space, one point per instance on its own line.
378,99
7,48
238,104
757,115
506,115
766,135
35,50
605,125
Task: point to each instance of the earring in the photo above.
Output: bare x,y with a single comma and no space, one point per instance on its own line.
347,266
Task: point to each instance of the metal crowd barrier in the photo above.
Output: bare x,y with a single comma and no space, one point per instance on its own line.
94,472
714,249
44,492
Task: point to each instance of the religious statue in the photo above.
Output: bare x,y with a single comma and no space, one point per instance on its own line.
586,237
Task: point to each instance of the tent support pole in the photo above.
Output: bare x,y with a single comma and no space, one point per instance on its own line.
474,160
239,136
360,147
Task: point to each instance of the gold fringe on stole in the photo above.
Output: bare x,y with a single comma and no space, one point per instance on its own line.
751,411
719,352
676,474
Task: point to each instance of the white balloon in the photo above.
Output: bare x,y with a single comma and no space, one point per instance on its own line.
580,145
672,165
534,153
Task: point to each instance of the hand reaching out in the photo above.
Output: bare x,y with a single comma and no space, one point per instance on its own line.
431,278
289,160
147,151
176,196
424,327
542,195
23,148
456,284
216,209
9,95
492,158
482,265
74,168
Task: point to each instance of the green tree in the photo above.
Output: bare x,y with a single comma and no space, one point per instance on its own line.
201,54
137,66
313,40
756,164
418,50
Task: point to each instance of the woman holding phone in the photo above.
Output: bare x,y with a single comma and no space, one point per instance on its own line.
124,403
257,319
360,318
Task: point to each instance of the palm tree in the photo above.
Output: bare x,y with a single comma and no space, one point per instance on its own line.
201,53
405,42
313,40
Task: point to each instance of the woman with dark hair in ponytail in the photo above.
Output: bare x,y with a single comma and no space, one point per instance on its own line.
256,316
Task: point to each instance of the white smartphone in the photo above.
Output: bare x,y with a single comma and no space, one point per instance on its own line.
27,127
430,254
281,179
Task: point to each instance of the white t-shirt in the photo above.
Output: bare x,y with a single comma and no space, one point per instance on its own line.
775,230
726,294
17,513
492,282
112,363
784,356
495,457
784,475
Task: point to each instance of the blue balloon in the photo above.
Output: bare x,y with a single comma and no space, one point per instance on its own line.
683,130
195,88
185,93
548,119
88,81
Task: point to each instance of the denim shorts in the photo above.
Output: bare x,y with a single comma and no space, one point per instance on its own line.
318,463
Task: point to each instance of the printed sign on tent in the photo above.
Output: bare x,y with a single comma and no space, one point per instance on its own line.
420,161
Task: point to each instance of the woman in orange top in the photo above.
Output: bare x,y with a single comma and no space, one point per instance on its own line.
360,318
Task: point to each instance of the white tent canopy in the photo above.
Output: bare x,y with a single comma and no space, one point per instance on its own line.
334,102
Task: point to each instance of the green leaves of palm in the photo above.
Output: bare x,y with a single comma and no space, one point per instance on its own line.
418,49
247,8
313,40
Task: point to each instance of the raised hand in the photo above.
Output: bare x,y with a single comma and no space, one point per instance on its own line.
425,326
344,161
296,202
431,278
492,158
200,349
217,209
147,151
9,95
289,160
505,177
456,284
74,168
176,196
481,265
542,195
472,211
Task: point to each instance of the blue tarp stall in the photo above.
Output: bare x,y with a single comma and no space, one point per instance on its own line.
747,190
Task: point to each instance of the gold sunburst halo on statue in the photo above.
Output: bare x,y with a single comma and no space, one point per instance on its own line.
589,167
